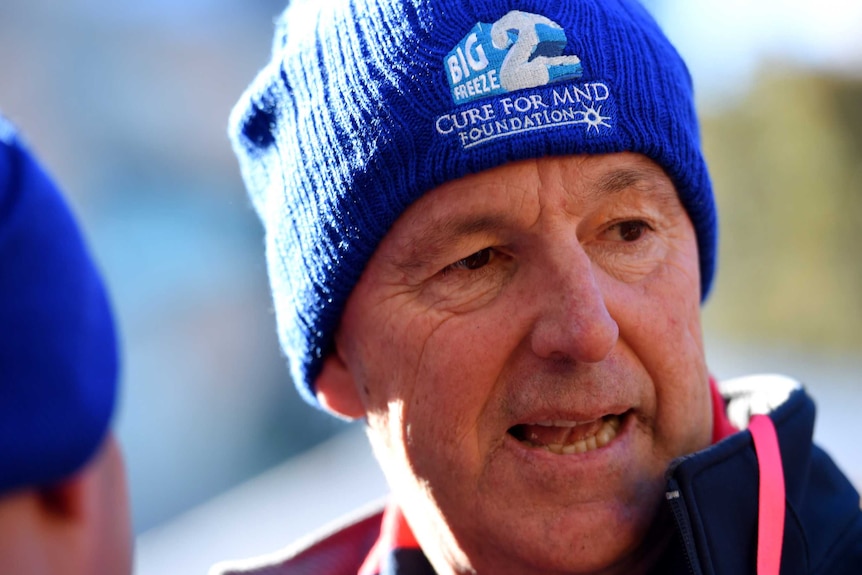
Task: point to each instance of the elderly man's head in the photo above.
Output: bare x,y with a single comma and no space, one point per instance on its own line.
489,230
525,343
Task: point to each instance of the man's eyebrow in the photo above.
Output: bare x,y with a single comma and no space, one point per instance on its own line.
651,182
440,234
619,180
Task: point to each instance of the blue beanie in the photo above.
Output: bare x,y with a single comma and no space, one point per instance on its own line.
58,357
368,104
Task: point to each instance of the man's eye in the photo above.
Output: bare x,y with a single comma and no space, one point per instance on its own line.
472,262
631,231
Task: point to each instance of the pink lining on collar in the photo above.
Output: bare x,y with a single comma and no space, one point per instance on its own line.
770,516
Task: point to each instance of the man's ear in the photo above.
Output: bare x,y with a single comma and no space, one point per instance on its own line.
66,499
336,388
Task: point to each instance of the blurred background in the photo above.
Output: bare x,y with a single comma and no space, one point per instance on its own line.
127,105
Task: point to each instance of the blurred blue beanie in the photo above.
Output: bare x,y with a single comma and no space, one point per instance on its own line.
58,356
368,104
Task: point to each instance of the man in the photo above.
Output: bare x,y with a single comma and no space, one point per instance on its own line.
489,231
63,499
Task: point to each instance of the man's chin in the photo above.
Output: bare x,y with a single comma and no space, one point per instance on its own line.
610,540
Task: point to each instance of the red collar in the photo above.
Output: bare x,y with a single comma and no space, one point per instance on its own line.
721,425
394,534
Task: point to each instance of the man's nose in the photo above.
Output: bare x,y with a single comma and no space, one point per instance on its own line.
573,321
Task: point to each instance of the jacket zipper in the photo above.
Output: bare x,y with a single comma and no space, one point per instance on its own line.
680,514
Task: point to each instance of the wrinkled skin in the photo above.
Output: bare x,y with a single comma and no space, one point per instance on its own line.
549,289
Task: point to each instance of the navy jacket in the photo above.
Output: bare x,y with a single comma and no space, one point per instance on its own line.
717,511
713,495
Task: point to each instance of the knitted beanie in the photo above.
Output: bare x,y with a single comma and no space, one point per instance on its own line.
58,357
368,104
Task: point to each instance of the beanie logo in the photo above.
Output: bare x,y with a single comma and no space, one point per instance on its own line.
521,52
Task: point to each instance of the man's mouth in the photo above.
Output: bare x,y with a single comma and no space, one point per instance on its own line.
564,437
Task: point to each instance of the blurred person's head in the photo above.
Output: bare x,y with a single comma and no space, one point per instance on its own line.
63,496
489,230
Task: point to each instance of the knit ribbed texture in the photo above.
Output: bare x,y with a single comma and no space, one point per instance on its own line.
368,104
58,356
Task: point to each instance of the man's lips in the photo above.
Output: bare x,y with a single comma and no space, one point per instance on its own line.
565,437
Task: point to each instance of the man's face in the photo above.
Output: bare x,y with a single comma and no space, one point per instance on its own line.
526,346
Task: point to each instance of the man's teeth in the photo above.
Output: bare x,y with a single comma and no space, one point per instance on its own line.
604,435
557,423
